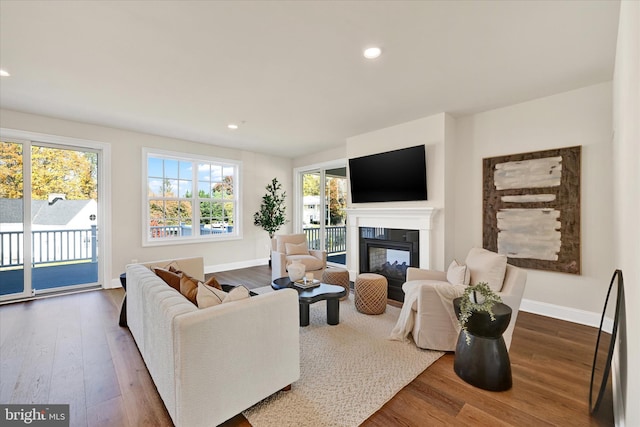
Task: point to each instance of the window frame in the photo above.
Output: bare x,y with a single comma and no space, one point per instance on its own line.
196,237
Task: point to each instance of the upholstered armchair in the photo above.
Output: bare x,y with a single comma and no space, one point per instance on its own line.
428,312
286,248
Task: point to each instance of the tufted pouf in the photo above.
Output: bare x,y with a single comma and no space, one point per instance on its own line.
370,293
337,276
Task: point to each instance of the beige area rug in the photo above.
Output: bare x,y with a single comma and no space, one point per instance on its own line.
348,371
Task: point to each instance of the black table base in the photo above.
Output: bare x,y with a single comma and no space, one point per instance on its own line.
123,307
333,312
306,297
484,361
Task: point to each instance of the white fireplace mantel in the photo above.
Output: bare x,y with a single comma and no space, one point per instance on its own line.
419,218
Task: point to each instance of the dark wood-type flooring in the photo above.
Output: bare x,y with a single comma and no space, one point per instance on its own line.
70,349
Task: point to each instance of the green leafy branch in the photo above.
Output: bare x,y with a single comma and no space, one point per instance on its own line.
468,307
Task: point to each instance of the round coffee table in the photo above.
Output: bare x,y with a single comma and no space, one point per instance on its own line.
306,297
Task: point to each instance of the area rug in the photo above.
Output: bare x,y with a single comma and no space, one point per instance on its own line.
348,371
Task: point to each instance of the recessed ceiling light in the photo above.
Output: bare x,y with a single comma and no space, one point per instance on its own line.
232,126
4,73
372,52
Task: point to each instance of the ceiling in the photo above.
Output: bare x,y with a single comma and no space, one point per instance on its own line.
292,74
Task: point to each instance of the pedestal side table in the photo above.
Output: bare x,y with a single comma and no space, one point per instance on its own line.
484,362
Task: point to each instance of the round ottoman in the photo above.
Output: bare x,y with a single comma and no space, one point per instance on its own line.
337,276
370,293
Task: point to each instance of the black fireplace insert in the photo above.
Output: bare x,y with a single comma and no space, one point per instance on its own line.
389,252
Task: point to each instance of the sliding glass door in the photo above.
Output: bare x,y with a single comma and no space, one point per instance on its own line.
48,218
321,210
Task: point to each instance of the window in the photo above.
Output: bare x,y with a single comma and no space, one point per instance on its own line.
185,190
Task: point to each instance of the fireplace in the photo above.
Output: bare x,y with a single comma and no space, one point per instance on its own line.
389,252
417,218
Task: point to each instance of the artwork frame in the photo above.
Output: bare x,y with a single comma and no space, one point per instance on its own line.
531,208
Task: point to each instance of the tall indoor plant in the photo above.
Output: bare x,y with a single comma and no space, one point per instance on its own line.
271,214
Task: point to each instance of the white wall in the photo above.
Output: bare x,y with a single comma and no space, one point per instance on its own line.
626,207
580,117
429,131
328,155
126,209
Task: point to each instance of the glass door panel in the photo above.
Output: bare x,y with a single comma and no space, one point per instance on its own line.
12,246
324,202
64,227
312,208
335,221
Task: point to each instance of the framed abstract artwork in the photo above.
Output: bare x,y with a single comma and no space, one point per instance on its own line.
531,208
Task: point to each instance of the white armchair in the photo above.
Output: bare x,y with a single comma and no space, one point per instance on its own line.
428,312
286,248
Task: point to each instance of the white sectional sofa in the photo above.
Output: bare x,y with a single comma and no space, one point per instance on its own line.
211,364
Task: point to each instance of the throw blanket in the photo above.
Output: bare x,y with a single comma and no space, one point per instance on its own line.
405,322
444,291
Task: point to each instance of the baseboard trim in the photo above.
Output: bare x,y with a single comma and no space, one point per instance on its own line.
113,284
569,314
235,265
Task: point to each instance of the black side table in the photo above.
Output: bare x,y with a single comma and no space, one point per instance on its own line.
484,362
123,307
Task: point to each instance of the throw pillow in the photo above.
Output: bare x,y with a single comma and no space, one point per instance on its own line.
189,287
237,293
172,279
488,267
458,274
212,281
297,248
283,239
208,296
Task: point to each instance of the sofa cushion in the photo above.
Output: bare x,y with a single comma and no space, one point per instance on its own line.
488,267
189,287
458,274
311,263
296,248
172,279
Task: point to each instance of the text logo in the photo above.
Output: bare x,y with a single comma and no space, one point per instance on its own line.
34,415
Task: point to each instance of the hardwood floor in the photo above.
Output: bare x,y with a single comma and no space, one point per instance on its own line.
70,349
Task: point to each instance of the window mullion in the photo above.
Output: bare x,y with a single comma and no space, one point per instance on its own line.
195,197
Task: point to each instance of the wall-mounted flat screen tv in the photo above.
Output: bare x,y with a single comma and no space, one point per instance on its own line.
393,176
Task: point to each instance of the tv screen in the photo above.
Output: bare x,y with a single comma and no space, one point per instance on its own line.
394,176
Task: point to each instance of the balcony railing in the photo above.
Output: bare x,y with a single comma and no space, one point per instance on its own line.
335,236
159,231
49,246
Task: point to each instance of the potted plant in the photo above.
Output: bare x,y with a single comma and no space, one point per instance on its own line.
271,214
469,305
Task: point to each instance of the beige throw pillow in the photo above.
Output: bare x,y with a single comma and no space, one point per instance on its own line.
235,294
458,274
488,267
297,248
208,296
